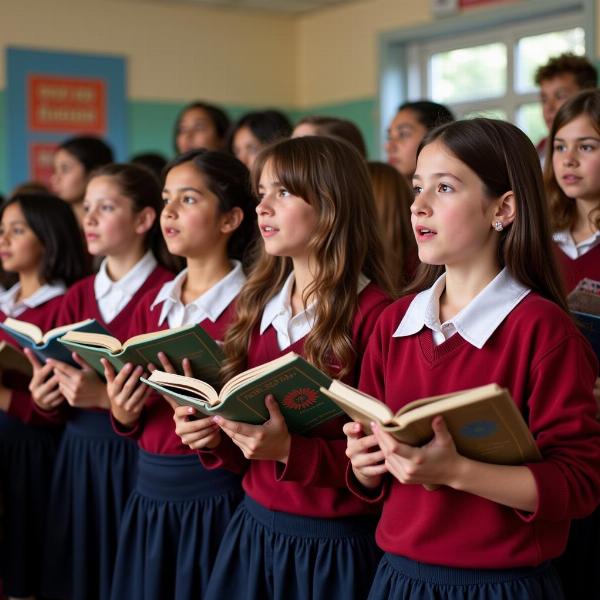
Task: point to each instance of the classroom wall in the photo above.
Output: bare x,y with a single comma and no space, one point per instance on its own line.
324,62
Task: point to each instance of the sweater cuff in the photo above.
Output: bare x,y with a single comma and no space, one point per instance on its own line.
553,494
360,491
225,456
301,462
132,433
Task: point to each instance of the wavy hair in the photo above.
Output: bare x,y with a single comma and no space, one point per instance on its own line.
331,176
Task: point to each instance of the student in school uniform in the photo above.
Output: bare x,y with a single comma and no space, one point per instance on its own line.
200,125
95,468
572,177
74,160
40,243
488,309
317,289
175,518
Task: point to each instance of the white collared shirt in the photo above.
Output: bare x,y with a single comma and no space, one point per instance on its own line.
209,305
13,308
278,312
570,248
476,322
113,296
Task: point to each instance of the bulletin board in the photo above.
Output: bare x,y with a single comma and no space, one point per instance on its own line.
54,95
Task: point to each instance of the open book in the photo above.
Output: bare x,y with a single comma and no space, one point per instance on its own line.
584,302
189,341
12,359
484,422
292,380
45,345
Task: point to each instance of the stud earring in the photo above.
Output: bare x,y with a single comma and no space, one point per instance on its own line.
498,226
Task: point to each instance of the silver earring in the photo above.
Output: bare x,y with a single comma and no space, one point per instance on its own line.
498,226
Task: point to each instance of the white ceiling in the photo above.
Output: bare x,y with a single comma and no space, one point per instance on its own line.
282,6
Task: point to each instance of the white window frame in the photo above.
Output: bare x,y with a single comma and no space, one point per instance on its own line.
419,56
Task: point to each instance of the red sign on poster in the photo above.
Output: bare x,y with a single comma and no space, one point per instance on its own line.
41,158
60,104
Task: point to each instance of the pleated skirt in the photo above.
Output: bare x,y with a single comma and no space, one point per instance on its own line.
401,578
280,556
172,527
26,462
93,476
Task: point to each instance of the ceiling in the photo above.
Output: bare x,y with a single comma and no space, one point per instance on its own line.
281,6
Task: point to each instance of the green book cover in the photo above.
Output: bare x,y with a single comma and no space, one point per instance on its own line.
189,341
294,383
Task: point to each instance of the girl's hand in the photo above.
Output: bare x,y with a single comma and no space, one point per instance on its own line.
126,394
43,384
270,441
186,365
81,387
436,463
367,464
195,433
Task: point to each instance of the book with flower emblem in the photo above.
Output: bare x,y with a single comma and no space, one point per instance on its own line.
293,382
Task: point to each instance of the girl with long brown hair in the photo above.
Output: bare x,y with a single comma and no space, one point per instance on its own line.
317,288
572,178
488,307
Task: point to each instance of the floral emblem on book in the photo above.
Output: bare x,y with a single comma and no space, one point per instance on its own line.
300,399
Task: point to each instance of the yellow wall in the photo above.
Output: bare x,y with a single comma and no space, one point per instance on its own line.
176,51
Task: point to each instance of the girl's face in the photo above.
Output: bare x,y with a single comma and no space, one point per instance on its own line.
197,130
20,249
69,178
404,136
110,225
576,159
287,223
451,215
246,146
191,221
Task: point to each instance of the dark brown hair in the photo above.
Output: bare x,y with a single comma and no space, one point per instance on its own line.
504,158
563,210
580,67
340,128
393,197
144,190
331,176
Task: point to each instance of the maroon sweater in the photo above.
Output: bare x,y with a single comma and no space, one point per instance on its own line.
540,356
155,431
21,405
574,270
312,482
80,303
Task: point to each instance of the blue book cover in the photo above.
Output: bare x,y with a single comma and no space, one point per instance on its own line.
590,327
47,345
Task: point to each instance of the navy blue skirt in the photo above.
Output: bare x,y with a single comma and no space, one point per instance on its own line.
93,476
172,527
402,578
276,555
26,461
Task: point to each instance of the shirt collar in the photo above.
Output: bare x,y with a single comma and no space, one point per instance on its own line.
281,304
10,306
130,283
212,303
477,321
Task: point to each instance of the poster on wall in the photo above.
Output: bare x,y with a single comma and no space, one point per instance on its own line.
54,95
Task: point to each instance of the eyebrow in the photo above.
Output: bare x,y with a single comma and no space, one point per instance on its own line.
580,139
188,188
439,176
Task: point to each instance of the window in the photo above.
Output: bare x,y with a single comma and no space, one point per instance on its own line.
492,73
